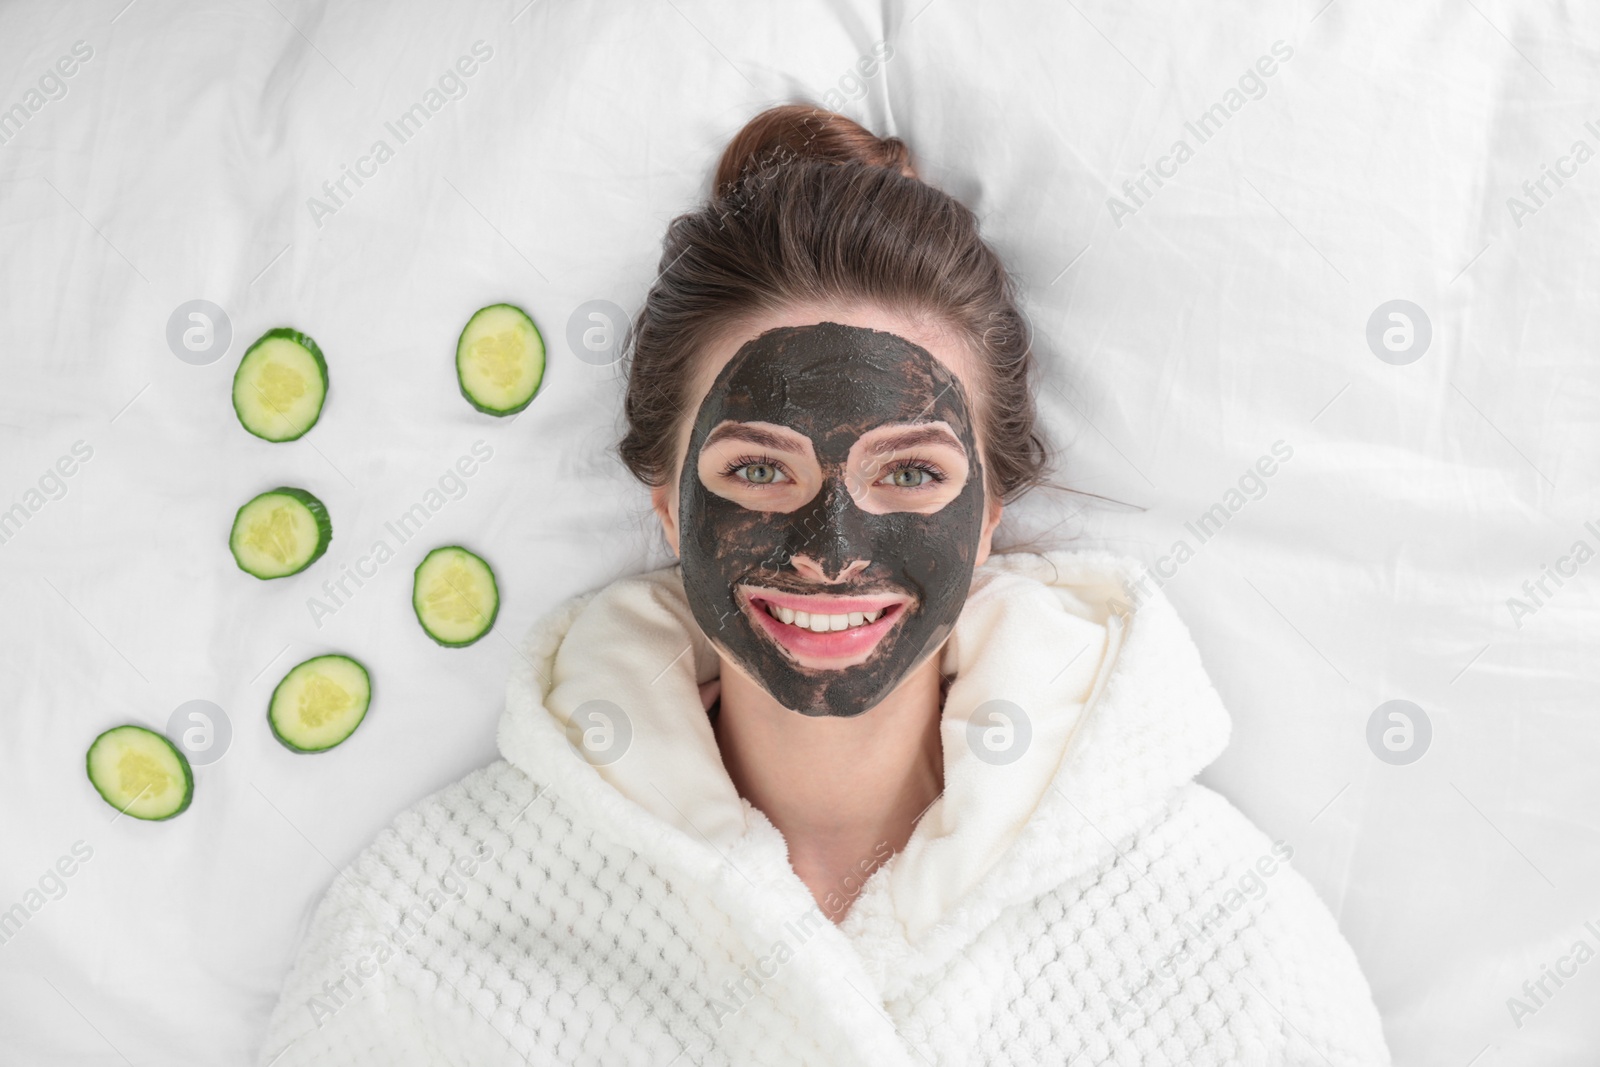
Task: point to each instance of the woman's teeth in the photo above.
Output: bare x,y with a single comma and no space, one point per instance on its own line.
822,623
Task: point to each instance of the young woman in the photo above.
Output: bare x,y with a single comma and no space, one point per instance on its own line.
839,787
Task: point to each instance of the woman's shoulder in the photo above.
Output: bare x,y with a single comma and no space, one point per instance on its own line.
478,801
415,896
1231,921
435,853
1212,858
432,849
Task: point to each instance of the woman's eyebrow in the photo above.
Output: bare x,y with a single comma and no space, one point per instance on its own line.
732,431
925,435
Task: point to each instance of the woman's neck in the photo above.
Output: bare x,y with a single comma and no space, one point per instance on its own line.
844,792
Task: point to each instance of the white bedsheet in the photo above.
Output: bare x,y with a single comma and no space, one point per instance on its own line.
1185,330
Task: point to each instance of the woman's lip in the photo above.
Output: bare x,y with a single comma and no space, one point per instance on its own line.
825,605
852,645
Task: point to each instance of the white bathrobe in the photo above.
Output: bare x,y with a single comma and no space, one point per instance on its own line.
1072,897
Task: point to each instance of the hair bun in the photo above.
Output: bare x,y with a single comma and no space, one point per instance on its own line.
800,131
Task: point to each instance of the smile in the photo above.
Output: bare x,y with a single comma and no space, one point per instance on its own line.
823,630
820,623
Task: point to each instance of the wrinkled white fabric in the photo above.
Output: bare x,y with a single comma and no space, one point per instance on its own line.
1086,902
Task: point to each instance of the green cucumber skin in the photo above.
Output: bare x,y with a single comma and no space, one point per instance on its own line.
291,334
290,745
493,614
461,382
319,512
183,761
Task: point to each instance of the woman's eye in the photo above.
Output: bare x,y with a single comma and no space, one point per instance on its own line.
760,473
911,476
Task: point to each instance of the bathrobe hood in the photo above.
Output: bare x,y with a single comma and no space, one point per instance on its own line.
1107,687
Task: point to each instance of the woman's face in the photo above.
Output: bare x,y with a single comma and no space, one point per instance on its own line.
830,503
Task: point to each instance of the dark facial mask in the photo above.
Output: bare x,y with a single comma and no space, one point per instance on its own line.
830,383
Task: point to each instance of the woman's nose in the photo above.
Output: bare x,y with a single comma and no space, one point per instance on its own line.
830,543
814,570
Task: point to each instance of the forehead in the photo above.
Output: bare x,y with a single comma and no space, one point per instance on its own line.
829,374
813,379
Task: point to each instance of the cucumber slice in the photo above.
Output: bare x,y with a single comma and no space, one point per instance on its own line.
455,596
280,385
139,772
500,359
319,703
281,532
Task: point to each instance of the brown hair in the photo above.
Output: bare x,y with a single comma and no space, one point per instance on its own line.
808,206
